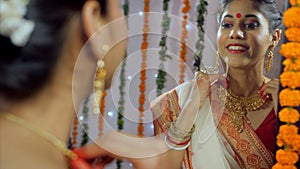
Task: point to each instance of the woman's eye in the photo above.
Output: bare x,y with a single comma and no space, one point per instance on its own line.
226,25
251,26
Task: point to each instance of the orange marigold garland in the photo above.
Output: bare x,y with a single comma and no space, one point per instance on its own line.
289,17
288,138
287,157
289,115
279,166
289,97
295,2
290,79
84,125
290,50
185,9
291,64
293,34
143,76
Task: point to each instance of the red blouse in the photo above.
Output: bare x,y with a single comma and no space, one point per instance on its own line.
267,131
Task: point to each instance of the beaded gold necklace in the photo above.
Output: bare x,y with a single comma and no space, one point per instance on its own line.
239,106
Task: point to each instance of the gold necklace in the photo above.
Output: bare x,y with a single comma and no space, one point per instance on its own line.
52,139
239,106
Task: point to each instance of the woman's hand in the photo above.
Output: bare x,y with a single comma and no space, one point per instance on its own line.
143,153
96,159
203,85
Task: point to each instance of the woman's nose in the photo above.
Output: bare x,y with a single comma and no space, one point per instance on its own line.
236,33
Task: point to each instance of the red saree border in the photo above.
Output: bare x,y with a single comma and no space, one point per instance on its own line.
166,109
261,147
170,101
256,151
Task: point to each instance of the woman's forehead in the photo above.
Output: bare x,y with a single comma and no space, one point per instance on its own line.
241,6
241,9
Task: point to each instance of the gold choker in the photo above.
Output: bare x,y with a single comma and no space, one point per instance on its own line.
239,106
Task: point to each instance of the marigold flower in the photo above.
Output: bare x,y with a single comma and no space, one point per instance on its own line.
296,144
286,135
288,129
290,50
281,166
295,2
289,115
291,65
293,34
289,17
290,79
286,157
288,97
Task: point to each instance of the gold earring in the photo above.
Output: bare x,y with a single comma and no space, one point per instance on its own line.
99,84
269,60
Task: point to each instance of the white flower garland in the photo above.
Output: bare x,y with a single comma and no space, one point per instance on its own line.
12,22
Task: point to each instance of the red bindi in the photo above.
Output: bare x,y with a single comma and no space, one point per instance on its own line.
238,15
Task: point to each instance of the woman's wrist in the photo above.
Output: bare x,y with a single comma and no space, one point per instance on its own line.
178,139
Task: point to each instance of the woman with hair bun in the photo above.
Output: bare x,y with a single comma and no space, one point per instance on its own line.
40,43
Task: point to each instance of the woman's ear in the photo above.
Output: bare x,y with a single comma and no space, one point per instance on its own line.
276,36
91,17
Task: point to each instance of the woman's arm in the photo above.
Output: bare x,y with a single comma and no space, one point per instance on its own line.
153,153
197,96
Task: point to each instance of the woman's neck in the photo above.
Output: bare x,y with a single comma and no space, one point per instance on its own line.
245,83
51,109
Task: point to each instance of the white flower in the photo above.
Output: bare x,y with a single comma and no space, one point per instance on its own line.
12,21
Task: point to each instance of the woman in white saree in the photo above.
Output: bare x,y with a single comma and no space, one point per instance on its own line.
236,121
216,121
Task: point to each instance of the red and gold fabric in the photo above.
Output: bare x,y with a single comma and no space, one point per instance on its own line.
215,137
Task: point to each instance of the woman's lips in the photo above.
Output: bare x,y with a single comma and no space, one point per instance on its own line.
236,48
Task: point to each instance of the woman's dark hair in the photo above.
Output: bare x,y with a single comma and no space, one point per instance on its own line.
268,8
23,71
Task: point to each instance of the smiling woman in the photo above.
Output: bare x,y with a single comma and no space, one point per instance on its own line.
230,118
235,117
249,36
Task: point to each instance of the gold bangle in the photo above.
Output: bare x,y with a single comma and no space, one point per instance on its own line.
177,136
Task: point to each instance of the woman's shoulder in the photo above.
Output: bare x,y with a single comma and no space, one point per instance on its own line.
272,83
271,80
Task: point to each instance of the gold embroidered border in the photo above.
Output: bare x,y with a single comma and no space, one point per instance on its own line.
164,124
259,145
230,142
256,144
